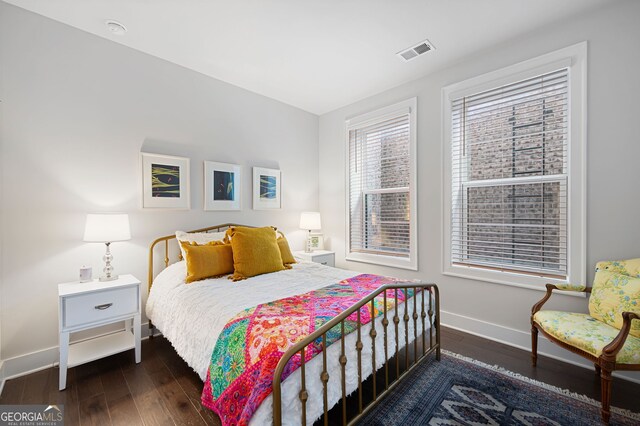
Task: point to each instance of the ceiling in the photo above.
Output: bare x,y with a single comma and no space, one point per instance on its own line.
318,55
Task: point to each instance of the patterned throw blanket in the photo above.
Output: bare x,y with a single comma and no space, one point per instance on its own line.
242,365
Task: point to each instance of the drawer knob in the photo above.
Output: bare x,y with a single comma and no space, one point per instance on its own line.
103,307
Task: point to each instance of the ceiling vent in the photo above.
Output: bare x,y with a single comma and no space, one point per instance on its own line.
415,51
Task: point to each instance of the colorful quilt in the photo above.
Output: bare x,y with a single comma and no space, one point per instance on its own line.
250,346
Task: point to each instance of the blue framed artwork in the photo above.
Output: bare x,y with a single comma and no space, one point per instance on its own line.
222,186
266,189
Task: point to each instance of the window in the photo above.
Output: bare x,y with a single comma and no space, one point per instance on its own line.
381,201
512,189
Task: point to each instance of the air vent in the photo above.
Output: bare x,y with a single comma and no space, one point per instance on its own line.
415,51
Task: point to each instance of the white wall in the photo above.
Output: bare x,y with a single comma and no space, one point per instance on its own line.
1,210
77,111
613,152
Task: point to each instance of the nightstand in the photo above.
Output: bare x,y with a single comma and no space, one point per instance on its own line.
324,257
82,306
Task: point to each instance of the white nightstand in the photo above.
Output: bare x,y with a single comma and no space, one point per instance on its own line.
324,257
88,305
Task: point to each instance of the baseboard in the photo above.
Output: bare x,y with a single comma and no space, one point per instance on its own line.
521,340
39,360
1,376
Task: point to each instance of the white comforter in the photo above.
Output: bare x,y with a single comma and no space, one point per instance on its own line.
192,316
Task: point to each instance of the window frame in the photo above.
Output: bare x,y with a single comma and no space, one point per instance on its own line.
362,120
575,59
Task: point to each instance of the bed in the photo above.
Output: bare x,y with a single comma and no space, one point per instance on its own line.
318,371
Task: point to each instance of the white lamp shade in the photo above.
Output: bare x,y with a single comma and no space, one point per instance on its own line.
310,220
107,228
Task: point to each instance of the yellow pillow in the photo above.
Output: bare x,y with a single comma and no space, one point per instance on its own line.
210,260
255,252
285,251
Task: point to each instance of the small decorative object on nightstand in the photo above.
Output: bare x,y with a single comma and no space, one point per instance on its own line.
93,304
324,257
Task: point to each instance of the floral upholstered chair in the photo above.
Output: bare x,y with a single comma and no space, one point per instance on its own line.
610,335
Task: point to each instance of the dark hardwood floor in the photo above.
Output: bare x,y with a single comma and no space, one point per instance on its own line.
163,390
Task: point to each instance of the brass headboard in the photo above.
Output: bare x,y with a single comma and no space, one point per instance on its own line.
172,237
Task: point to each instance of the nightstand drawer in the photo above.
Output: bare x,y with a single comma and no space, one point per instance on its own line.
99,306
324,259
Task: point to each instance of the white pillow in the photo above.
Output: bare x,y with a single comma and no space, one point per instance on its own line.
198,238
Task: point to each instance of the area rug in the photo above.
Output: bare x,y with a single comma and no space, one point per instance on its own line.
462,391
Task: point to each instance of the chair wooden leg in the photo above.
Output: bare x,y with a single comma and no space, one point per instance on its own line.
597,369
605,378
534,346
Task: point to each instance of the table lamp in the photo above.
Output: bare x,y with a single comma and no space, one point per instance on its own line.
309,221
107,228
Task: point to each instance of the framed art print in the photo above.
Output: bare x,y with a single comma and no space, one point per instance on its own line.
316,241
165,181
222,186
266,189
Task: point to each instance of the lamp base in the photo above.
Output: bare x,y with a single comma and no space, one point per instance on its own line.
108,257
105,278
307,245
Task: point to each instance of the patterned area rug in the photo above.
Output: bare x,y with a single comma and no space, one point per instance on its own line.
461,391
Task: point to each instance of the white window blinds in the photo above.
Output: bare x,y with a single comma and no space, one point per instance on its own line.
379,186
509,177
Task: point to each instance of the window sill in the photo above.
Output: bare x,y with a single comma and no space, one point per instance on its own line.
511,279
376,259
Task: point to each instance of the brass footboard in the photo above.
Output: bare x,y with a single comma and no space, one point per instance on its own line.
429,314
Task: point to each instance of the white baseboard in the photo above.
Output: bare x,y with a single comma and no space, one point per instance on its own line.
1,376
522,340
36,361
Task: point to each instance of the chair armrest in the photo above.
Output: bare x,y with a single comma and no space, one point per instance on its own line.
561,287
611,350
570,287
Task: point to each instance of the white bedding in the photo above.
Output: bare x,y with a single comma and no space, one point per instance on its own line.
192,316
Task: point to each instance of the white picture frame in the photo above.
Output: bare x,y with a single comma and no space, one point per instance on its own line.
266,189
222,186
158,190
316,241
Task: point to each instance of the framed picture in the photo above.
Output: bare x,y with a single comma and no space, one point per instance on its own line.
165,181
266,189
316,241
222,186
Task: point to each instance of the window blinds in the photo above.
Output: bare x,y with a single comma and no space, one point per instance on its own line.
379,176
509,177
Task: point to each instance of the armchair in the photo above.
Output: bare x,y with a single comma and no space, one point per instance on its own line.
610,335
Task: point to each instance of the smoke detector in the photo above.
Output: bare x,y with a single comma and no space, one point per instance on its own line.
116,27
415,51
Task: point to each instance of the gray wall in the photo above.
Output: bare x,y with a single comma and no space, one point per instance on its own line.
613,150
77,111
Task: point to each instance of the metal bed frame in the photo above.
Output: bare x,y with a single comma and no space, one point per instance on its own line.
429,337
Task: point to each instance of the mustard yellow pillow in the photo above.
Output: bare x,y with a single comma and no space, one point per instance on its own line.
255,252
285,251
209,260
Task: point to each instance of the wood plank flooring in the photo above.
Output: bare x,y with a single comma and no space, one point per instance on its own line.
163,390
